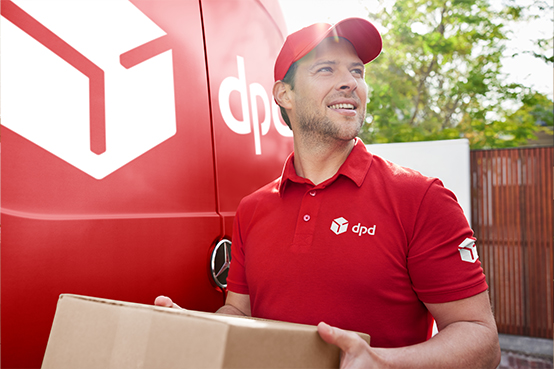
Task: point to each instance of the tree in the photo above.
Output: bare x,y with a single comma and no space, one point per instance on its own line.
439,76
533,11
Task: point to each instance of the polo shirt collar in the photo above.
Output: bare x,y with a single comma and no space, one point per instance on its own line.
355,167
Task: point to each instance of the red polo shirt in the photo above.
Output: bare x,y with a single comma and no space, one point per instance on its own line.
361,251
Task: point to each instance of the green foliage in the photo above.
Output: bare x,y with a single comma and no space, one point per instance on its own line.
439,77
538,8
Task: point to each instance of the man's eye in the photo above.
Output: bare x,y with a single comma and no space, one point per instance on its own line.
358,71
325,69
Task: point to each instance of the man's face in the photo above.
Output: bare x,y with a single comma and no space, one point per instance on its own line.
329,97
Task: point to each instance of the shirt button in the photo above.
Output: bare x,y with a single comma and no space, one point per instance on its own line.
312,193
306,217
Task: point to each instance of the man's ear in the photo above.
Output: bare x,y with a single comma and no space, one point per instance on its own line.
282,94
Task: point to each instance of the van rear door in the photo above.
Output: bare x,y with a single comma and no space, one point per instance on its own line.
252,142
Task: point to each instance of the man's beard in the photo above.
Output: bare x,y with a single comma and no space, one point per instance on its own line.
321,128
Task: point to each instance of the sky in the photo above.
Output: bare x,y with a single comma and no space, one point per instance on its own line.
524,68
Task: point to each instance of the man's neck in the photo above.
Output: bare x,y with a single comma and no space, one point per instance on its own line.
319,162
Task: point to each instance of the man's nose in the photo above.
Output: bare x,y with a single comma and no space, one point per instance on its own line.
347,81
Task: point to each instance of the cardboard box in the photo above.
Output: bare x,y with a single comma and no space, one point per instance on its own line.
98,333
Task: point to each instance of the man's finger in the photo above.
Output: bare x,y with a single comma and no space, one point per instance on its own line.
166,302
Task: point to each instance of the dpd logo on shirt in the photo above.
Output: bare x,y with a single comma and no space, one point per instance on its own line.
340,225
468,251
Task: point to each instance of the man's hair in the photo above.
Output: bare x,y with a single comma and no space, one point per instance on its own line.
289,80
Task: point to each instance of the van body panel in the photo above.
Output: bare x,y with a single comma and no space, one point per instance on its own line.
144,224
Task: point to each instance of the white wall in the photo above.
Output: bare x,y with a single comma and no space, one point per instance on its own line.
447,160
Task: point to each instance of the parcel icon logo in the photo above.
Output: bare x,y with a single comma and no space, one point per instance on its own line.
82,80
339,225
468,251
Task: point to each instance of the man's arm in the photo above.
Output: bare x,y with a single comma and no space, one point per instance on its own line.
467,338
235,304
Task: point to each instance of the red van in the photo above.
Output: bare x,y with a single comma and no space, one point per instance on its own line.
130,132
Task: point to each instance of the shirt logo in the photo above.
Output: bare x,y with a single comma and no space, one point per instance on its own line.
339,225
361,230
468,251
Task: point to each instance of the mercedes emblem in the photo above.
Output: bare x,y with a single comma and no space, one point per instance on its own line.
220,262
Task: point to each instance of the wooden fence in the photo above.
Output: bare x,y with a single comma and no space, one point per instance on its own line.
512,219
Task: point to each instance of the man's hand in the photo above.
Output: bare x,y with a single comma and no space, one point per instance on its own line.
356,353
166,302
467,338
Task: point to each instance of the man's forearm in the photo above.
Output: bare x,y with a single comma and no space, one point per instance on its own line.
230,310
460,345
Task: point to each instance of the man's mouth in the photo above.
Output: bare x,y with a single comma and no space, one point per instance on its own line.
342,106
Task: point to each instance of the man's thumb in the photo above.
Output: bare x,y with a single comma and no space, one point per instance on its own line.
336,336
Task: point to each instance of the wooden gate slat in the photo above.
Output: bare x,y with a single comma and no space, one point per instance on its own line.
512,197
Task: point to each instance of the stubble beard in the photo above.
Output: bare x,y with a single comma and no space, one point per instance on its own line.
316,128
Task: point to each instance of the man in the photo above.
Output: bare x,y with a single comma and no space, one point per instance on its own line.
348,238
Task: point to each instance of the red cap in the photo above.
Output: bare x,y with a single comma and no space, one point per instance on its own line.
361,33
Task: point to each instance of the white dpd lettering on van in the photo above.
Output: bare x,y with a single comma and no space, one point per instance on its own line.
243,127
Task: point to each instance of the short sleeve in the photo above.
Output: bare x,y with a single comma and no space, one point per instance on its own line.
437,269
236,279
